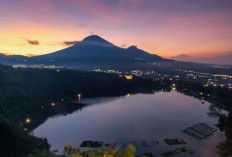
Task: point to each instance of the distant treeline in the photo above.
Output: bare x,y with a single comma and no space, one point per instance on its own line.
220,96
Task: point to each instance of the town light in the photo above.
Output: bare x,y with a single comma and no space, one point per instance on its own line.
128,95
128,77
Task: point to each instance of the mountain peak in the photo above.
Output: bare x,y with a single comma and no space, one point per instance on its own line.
94,38
97,40
132,47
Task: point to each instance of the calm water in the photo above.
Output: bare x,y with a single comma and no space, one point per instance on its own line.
141,117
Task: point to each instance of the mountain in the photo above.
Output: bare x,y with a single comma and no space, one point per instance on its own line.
95,52
221,59
182,57
12,59
97,47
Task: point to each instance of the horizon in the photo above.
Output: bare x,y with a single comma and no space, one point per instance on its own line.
177,57
168,29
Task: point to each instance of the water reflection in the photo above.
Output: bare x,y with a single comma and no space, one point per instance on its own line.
141,117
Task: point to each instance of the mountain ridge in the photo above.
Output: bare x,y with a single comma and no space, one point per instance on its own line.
96,52
220,59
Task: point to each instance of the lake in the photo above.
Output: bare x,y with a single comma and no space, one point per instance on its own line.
140,117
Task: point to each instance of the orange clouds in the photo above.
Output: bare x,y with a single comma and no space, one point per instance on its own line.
31,55
31,42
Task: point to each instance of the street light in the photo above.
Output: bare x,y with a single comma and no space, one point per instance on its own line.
28,120
79,97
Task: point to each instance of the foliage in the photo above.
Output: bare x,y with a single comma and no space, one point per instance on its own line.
220,96
105,152
41,153
14,142
225,124
68,150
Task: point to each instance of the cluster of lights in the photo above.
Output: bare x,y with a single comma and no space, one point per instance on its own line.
173,86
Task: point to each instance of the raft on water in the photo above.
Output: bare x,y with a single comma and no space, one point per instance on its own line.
174,141
177,151
200,131
92,144
183,149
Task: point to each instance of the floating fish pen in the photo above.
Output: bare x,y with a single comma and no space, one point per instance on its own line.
177,151
200,131
92,144
183,149
174,141
205,127
193,134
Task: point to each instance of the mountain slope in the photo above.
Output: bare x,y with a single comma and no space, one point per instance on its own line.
221,59
94,46
12,59
95,52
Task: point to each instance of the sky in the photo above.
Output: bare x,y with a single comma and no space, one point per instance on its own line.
165,27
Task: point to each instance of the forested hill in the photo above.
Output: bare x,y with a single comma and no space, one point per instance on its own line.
22,91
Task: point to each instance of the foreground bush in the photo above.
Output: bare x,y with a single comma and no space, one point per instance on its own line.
105,152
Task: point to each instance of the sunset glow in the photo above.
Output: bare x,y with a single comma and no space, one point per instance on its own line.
163,27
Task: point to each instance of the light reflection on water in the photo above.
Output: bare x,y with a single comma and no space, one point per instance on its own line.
136,118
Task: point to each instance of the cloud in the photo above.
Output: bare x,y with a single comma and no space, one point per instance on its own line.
70,42
82,25
31,42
